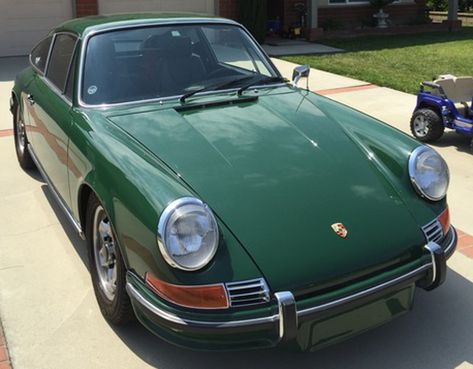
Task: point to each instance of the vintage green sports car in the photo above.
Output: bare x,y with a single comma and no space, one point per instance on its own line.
223,205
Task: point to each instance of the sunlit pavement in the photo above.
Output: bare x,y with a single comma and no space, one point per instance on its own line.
51,319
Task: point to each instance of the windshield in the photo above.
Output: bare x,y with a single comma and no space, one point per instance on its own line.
163,61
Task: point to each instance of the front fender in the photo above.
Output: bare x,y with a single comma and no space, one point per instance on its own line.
134,188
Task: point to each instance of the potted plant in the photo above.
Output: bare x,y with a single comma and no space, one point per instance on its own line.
381,16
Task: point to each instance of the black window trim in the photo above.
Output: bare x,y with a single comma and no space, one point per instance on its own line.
56,89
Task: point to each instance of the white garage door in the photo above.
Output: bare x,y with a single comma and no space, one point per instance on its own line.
24,22
123,6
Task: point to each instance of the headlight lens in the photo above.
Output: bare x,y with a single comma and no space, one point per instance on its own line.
188,234
429,173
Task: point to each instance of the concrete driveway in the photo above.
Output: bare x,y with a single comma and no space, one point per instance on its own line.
51,319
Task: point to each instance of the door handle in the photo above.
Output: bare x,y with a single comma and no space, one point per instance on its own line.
30,99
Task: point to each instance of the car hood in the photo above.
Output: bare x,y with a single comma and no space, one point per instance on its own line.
279,173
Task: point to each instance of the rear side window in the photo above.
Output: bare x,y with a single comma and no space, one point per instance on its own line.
60,60
39,55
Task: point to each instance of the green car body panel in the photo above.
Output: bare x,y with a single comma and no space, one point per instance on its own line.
277,170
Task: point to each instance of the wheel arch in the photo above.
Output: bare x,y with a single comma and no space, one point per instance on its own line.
15,102
86,189
429,105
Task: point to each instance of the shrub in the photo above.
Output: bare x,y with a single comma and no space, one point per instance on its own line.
253,15
438,5
331,24
380,4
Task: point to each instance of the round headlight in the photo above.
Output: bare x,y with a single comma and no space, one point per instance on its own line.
188,234
429,173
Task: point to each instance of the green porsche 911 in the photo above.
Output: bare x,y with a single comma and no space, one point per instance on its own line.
224,206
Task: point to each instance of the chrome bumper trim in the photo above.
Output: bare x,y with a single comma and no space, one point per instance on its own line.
366,292
172,318
288,316
286,303
448,249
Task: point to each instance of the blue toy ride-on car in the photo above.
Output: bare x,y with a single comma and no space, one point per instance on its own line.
448,103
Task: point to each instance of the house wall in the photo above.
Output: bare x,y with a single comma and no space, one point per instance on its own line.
354,15
347,15
344,15
228,9
86,7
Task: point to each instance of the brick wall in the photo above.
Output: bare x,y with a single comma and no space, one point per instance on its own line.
346,16
228,9
354,16
86,7
290,16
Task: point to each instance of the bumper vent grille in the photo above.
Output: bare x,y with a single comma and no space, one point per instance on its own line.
250,292
433,231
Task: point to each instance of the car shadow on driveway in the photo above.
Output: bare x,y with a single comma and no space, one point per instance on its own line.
437,334
78,244
453,139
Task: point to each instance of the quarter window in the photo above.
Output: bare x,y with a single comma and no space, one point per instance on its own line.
39,55
60,59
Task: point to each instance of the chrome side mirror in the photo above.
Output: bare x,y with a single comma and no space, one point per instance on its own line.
302,71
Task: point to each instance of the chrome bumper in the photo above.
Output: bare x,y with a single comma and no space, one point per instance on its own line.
428,276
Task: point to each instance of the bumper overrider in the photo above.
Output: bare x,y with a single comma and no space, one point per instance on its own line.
286,320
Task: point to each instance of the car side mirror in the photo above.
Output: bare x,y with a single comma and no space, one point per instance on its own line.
302,71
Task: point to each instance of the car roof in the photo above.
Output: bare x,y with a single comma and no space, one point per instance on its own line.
84,25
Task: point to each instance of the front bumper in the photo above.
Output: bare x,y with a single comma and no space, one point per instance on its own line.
283,321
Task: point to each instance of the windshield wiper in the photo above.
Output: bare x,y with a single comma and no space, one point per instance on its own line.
264,80
214,87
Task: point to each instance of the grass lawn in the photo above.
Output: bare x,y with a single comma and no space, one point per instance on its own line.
399,62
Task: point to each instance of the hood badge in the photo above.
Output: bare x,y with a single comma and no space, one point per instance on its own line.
340,230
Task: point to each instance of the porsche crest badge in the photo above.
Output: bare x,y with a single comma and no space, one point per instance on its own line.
340,230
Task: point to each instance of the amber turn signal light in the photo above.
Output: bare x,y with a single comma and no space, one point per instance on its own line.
198,297
444,220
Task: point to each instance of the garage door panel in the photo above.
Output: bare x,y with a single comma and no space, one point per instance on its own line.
123,6
36,8
24,22
40,24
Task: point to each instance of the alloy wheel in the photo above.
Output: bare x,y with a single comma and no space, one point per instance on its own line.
104,253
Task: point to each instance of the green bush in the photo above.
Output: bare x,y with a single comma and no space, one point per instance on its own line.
438,5
442,5
419,20
380,4
331,24
253,15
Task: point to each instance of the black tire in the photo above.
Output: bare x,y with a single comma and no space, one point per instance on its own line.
427,125
117,309
21,141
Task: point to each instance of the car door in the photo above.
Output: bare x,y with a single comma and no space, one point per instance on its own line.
50,114
38,60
